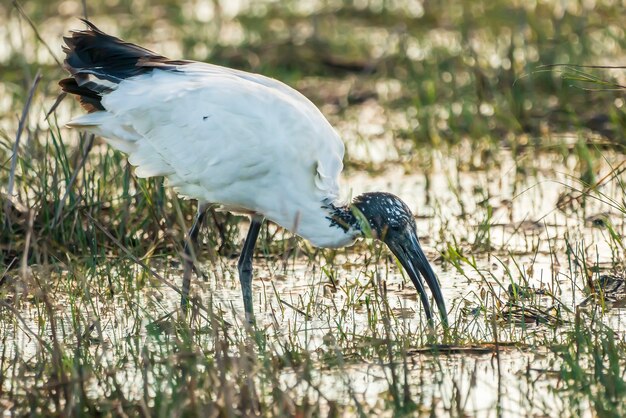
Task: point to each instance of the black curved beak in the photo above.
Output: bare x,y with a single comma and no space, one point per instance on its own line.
408,250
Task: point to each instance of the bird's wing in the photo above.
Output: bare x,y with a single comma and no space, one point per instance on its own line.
215,132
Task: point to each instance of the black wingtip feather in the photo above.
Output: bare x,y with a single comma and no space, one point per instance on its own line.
89,100
91,52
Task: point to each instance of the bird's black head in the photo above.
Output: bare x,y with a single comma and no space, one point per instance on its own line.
385,217
386,214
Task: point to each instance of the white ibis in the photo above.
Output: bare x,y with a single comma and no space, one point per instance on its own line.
245,142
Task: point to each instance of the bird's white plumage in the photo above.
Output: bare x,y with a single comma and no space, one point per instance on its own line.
245,141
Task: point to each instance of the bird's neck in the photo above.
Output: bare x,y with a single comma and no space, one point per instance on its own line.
339,227
342,217
329,225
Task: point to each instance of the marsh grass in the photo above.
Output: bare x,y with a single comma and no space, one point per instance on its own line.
525,216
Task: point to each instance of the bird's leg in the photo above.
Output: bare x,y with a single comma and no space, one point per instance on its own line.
189,252
221,230
245,265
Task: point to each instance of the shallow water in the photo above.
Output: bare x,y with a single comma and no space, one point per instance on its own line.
296,301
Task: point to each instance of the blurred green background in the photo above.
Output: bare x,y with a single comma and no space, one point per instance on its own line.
455,69
464,78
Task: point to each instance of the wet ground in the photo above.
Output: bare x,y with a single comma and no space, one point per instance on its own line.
523,280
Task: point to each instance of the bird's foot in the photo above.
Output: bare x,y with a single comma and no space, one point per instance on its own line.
190,267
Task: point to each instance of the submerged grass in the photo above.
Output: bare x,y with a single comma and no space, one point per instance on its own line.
526,212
